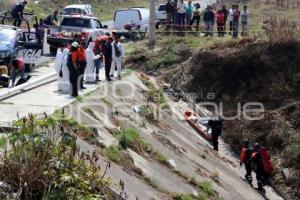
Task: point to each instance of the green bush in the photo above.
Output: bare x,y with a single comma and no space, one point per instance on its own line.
114,153
130,138
182,197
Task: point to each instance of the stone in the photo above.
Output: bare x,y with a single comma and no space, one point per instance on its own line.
286,174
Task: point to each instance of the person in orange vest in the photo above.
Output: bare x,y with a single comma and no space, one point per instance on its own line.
257,160
246,159
82,64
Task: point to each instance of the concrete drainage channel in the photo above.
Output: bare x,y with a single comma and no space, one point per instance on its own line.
28,85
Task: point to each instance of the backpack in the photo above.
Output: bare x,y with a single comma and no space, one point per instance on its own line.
266,160
117,50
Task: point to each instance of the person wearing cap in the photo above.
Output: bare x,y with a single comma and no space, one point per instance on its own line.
245,158
17,13
73,66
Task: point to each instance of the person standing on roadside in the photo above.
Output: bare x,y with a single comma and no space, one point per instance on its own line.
226,13
246,159
98,62
208,18
169,11
235,22
244,21
108,57
90,63
17,13
196,16
73,66
181,14
117,56
189,12
231,18
82,64
220,23
216,129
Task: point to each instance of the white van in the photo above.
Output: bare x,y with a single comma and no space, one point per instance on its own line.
84,9
138,16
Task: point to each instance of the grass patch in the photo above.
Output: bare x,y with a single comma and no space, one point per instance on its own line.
3,141
147,112
108,103
130,138
79,98
182,197
214,175
162,159
114,153
90,112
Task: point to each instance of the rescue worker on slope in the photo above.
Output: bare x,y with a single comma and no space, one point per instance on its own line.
246,159
73,67
216,130
256,158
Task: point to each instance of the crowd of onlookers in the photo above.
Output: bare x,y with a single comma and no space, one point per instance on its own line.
183,16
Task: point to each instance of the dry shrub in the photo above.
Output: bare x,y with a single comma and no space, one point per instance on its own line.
280,30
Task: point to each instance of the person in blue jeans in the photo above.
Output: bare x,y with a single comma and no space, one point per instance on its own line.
209,19
235,22
181,10
98,50
189,12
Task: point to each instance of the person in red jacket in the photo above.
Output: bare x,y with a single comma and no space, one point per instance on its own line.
257,160
18,67
246,159
221,23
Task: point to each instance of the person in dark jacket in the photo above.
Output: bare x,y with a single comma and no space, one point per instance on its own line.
169,11
51,19
216,130
226,13
259,167
17,13
209,19
246,159
73,66
107,52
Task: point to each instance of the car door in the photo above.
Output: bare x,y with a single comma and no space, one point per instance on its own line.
98,28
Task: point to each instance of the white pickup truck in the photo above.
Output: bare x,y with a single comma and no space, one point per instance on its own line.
84,28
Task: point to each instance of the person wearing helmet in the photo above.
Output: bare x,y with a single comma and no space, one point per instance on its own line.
246,159
73,66
258,163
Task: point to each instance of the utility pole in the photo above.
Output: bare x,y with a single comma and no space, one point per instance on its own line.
152,25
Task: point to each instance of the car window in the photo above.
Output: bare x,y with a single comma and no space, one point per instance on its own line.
7,36
76,22
97,23
69,11
162,8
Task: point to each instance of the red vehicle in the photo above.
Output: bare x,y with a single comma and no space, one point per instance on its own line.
198,124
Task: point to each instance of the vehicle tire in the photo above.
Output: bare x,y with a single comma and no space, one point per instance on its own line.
53,51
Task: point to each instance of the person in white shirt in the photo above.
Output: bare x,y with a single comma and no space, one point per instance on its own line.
66,87
118,55
244,21
181,10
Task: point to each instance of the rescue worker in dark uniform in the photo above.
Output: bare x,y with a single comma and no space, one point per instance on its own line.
216,130
73,67
259,168
108,57
51,19
82,64
246,159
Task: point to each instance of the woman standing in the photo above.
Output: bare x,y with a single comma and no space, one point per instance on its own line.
181,13
196,16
